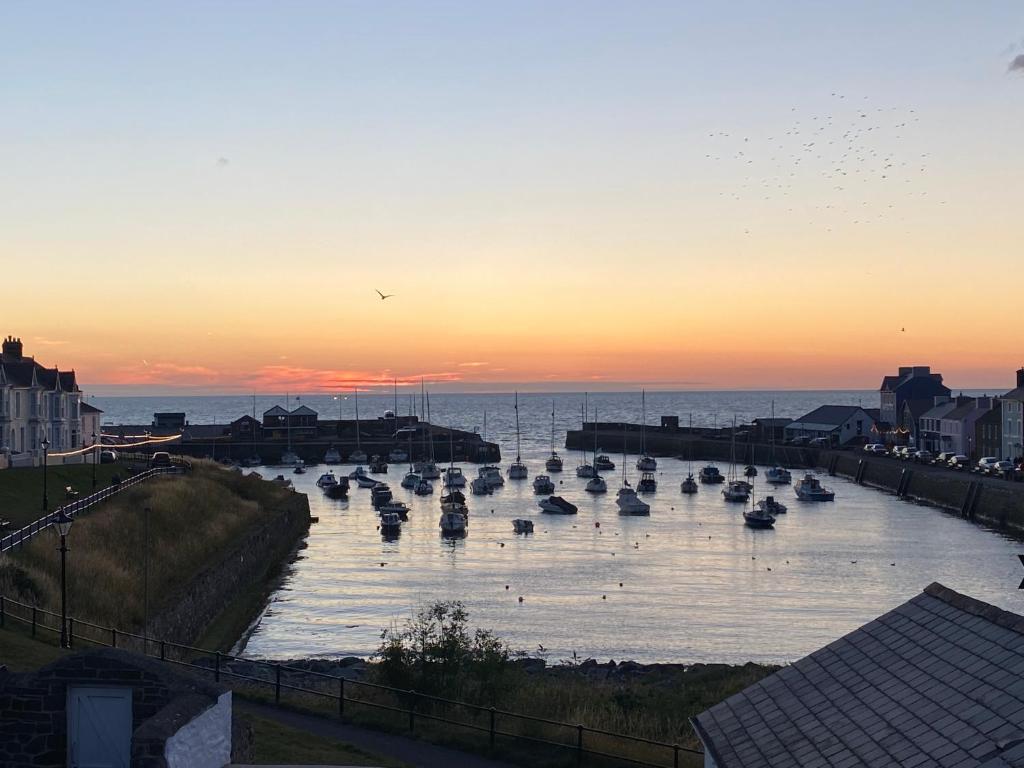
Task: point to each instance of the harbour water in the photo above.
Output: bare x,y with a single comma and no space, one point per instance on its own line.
696,584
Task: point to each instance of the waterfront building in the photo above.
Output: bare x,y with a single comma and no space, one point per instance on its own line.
988,432
300,422
768,429
936,681
35,403
170,420
91,416
246,428
929,425
913,410
839,424
912,382
956,427
1013,420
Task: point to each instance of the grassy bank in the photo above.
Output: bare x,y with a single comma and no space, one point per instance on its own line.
21,490
193,521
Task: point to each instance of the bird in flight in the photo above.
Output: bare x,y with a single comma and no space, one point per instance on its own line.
384,295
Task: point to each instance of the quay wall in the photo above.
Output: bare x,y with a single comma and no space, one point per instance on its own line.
252,558
314,449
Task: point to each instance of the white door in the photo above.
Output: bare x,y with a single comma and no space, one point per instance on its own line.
99,727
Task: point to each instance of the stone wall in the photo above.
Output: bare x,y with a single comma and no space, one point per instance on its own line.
33,706
254,555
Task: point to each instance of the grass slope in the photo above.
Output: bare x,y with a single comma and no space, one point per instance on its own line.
193,521
21,490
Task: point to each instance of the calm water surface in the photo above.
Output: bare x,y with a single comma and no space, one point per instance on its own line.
697,585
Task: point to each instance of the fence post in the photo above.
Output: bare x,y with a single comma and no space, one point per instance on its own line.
113,637
163,654
492,727
341,697
3,613
33,621
277,683
412,710
579,745
216,668
71,632
675,756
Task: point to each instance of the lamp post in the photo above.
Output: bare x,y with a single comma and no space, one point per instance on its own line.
95,458
63,528
46,447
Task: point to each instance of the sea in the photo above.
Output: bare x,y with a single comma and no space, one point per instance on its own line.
689,584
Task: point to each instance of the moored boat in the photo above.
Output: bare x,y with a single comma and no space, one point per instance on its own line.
517,470
380,495
778,476
556,505
603,464
772,506
554,461
397,456
689,485
521,525
395,507
480,487
390,524
758,518
453,478
332,456
365,481
811,489
631,504
453,524
543,484
377,465
327,480
423,488
338,491
750,471
597,484
736,490
290,458
647,483
410,480
710,474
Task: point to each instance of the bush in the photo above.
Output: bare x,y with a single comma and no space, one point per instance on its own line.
435,652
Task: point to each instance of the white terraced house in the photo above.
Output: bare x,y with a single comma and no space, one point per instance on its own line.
36,402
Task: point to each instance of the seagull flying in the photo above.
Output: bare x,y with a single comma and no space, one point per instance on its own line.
384,295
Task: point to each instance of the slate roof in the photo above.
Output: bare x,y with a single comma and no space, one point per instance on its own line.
303,410
1015,394
19,374
939,411
938,681
277,410
87,408
960,411
827,415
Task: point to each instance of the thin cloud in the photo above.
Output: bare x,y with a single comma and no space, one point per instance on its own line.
45,342
472,365
1017,65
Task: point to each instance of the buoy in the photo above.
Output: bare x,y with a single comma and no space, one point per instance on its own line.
506,587
520,598
382,565
604,597
620,583
597,524
503,543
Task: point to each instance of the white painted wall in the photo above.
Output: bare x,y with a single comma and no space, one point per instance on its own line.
205,741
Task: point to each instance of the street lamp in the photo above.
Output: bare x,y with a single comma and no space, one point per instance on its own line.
46,499
63,528
95,458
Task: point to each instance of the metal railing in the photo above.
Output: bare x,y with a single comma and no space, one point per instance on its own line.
339,695
73,508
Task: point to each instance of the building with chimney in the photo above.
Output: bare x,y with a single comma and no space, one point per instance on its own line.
36,402
912,382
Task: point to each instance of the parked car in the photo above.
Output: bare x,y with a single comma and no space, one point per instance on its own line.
923,456
160,459
986,463
801,440
1002,467
820,442
945,457
108,456
903,452
879,449
959,461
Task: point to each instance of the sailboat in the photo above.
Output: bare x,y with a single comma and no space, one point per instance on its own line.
596,484
490,473
554,462
584,469
397,454
428,468
626,499
735,489
758,515
517,470
776,475
645,463
454,512
689,485
358,456
289,458
411,479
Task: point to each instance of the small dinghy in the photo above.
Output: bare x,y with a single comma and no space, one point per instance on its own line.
380,495
423,488
520,525
337,491
556,505
390,524
365,481
327,480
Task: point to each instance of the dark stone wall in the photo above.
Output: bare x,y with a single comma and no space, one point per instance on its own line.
33,706
248,563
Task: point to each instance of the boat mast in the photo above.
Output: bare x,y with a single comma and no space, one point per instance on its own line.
689,453
517,427
624,454
396,405
643,422
552,427
356,391
288,418
430,430
596,473
771,434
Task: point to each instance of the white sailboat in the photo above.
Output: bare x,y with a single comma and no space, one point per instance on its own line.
645,463
596,484
358,456
735,489
428,469
454,512
584,469
626,499
517,470
554,462
689,485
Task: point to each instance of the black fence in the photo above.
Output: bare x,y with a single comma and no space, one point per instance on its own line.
78,506
333,694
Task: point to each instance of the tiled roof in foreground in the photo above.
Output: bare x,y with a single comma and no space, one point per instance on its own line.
938,681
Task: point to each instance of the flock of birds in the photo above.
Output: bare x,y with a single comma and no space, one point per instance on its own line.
853,163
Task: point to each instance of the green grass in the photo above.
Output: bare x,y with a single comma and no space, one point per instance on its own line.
275,743
20,653
21,490
195,521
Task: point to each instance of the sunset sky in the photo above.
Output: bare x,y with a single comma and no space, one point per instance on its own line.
206,195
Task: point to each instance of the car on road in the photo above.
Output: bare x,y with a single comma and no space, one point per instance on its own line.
987,463
959,461
875,448
923,456
1003,467
944,458
160,459
820,442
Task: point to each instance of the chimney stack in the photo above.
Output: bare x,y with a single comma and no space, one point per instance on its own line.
12,349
